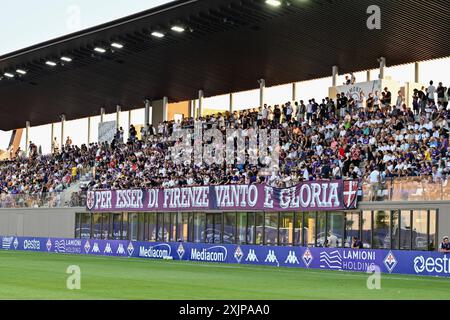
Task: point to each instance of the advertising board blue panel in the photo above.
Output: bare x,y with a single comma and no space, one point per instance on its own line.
338,259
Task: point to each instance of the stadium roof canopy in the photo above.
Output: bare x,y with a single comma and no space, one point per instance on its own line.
227,45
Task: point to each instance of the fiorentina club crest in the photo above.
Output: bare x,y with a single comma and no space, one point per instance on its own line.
130,249
350,193
390,262
90,200
180,251
238,254
307,257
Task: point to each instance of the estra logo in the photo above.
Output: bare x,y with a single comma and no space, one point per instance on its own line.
432,265
31,244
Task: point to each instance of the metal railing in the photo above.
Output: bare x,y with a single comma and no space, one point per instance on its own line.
407,189
42,200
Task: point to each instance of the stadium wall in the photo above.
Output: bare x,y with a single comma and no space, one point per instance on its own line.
338,259
60,222
39,222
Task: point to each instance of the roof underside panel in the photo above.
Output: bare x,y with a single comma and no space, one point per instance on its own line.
227,46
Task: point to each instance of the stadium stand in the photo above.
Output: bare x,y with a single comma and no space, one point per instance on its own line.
331,140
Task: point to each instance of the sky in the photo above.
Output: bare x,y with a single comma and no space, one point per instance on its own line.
25,23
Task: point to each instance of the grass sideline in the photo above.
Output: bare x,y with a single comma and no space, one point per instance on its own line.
34,275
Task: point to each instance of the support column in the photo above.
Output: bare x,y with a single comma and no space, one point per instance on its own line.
262,86
89,131
417,72
147,114
102,114
27,138
63,120
231,103
368,75
165,106
192,108
201,95
335,73
129,121
52,133
382,67
294,91
118,110
189,115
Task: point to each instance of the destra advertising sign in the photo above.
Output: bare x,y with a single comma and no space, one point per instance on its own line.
339,259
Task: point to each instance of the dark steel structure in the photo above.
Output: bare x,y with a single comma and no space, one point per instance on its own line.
226,47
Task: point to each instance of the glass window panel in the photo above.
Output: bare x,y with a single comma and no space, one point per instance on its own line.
218,227
151,225
310,228
116,224
77,225
173,226
183,226
97,219
166,229
125,227
335,229
141,227
191,227
286,228
298,229
160,233
381,238
419,234
85,225
199,226
250,227
229,227
366,232
133,226
395,234
351,227
258,226
405,230
210,228
321,231
271,228
433,243
242,228
105,225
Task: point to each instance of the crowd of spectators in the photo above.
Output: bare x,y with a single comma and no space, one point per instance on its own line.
40,173
335,138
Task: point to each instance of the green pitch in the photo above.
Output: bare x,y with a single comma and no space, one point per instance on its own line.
27,275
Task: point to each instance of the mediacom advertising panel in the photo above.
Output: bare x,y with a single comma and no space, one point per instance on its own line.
338,259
